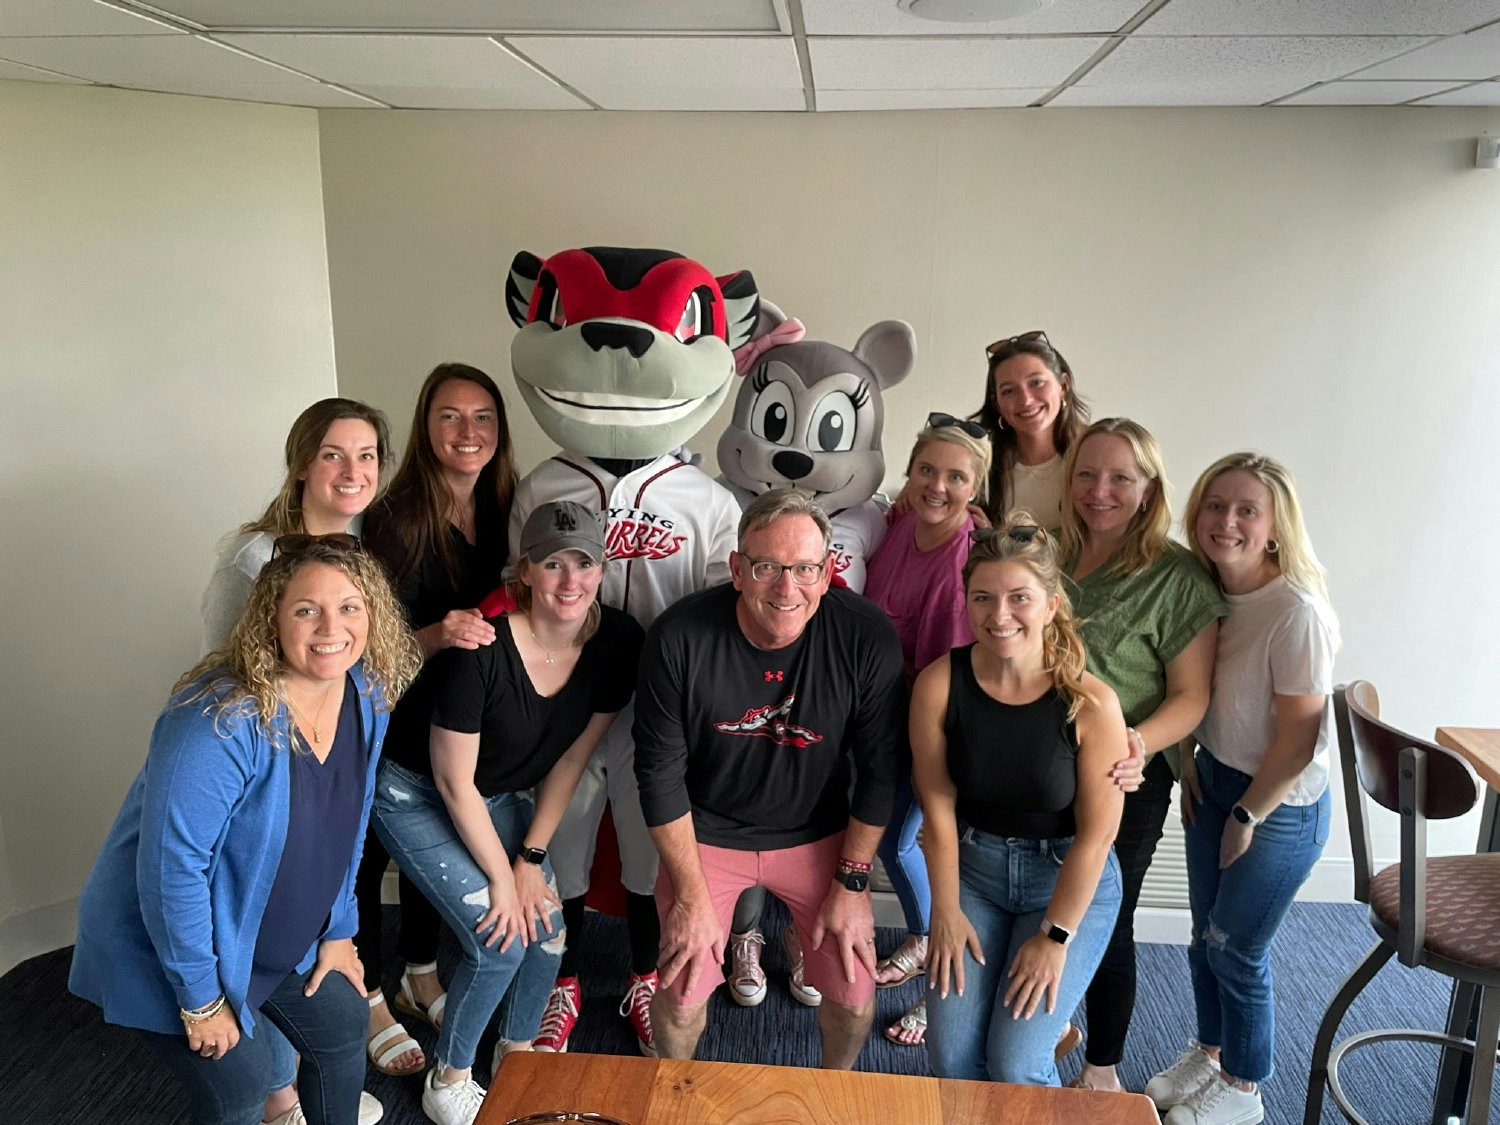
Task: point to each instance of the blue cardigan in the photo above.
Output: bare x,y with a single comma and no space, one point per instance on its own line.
171,911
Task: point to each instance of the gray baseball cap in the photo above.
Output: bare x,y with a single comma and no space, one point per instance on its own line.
562,525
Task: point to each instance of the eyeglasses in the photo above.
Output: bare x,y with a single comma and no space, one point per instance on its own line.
1023,338
938,420
1020,533
803,574
299,542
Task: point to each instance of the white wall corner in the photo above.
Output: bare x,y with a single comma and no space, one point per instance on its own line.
30,933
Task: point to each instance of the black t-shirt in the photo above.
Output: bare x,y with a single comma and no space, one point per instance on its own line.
1015,766
760,745
487,692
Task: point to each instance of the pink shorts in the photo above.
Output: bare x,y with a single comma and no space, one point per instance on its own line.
801,878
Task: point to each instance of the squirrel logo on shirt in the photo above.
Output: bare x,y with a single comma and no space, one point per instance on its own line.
771,722
634,534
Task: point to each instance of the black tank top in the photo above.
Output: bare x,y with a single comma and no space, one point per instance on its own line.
1014,766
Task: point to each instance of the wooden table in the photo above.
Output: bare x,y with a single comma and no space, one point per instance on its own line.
1480,747
642,1091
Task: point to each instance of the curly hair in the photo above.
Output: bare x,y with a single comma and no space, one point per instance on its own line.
1020,539
1072,414
245,677
1146,535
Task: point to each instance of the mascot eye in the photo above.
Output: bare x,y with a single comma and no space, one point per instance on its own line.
831,428
690,324
773,413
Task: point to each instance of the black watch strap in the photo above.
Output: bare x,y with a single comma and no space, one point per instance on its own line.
534,855
855,881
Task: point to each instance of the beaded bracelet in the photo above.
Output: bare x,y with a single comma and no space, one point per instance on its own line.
854,865
198,1015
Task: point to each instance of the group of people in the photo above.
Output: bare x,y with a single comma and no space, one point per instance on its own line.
435,674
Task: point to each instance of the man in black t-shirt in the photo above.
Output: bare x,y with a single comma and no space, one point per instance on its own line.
767,721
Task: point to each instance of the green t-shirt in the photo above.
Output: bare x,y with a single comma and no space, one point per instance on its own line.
1133,626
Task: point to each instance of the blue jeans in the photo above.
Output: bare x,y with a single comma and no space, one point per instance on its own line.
327,1029
1237,911
1004,888
903,860
413,824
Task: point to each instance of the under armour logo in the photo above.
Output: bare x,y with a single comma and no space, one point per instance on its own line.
777,675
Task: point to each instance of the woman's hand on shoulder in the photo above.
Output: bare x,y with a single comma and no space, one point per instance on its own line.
536,899
216,1036
465,628
950,934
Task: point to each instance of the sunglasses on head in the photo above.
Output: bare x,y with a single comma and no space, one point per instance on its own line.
298,542
1020,533
939,420
1023,338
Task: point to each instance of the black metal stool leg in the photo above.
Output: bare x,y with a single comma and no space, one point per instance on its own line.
1454,1066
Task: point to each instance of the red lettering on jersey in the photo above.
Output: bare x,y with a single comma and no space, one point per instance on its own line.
638,539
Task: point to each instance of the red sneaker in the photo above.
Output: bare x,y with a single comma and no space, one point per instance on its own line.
559,1016
636,1007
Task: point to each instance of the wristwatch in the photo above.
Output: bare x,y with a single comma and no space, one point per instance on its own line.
1056,932
1245,816
855,881
534,855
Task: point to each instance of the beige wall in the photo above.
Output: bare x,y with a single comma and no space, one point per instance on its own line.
164,315
1317,283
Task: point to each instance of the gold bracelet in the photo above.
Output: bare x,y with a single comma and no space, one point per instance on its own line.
198,1015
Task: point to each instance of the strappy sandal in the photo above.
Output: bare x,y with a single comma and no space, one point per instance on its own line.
406,1000
909,963
389,1044
914,1020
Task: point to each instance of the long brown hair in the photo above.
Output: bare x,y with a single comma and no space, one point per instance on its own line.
1072,414
1019,538
416,507
283,516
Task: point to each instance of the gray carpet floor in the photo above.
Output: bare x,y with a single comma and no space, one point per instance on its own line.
62,1064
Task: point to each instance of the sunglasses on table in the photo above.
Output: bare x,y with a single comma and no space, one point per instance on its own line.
298,542
939,420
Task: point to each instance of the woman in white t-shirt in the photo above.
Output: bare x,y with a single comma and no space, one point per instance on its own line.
1256,803
1033,414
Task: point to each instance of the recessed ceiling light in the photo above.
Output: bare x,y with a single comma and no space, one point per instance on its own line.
971,11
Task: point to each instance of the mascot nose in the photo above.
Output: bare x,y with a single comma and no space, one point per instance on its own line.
598,336
791,464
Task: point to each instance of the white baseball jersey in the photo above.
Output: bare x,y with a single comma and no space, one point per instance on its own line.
857,531
668,527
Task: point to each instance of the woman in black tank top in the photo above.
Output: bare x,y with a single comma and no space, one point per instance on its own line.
1013,744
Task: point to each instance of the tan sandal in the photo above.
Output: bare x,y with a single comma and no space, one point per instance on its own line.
1067,1042
913,1020
406,1000
908,963
390,1043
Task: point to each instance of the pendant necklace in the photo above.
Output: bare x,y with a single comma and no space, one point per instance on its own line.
297,711
546,652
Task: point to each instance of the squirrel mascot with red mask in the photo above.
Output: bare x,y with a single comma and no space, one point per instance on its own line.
623,355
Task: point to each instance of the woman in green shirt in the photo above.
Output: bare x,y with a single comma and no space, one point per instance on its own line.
1150,617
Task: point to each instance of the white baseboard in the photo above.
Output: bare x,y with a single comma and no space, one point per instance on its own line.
30,933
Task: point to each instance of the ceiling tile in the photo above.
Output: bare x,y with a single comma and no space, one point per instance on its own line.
175,64
481,15
1463,57
930,99
864,17
945,64
1482,93
30,74
475,68
74,17
1225,71
1366,93
668,73
1320,17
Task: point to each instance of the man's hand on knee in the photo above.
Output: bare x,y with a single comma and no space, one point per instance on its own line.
692,942
846,919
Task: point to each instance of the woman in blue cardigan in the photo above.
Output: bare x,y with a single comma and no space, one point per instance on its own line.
224,893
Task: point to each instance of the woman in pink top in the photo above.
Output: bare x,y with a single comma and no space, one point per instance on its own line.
916,576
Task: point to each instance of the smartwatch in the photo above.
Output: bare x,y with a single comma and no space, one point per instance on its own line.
855,881
534,855
1245,816
1056,933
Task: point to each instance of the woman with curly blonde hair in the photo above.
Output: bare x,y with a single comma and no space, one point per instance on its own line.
222,903
1014,744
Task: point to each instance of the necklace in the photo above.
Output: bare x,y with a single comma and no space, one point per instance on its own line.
297,711
546,652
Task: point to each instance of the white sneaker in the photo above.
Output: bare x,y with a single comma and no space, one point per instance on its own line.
747,980
1218,1103
370,1112
456,1104
1181,1080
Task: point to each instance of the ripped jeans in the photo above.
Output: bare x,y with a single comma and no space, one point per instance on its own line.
1237,911
413,824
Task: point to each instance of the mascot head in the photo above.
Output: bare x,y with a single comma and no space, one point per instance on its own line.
625,353
809,414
